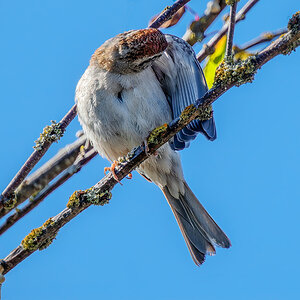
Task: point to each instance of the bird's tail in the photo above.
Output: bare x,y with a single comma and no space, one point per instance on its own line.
197,227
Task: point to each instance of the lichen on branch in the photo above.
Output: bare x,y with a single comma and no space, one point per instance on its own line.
34,240
231,2
157,134
51,133
92,195
236,73
294,27
10,203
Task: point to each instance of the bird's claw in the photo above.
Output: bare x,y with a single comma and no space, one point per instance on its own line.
112,170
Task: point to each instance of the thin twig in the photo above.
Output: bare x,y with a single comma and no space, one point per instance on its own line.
73,169
168,13
34,159
80,200
52,168
263,38
228,53
208,48
196,31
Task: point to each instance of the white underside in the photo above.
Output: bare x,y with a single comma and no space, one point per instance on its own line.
115,126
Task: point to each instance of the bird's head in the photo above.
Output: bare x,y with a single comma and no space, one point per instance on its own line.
131,51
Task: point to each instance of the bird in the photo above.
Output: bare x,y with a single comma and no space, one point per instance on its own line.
135,82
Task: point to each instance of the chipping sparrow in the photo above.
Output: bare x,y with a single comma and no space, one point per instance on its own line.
136,81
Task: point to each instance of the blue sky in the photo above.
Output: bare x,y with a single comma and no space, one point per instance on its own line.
248,179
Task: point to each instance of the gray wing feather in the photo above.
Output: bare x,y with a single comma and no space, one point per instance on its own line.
183,82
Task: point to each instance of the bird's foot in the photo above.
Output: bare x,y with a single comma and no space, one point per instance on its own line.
112,170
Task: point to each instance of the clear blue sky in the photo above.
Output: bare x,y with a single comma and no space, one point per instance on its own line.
248,179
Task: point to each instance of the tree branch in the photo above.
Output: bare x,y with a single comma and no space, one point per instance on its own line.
39,179
263,38
51,134
168,13
226,77
73,169
232,13
195,32
208,48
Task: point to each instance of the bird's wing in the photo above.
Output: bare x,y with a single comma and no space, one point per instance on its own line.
183,82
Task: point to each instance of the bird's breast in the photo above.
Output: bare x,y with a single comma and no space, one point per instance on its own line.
117,112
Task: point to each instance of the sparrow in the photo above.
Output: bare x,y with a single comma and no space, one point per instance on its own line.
136,81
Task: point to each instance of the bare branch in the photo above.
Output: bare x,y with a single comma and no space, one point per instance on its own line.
8,194
196,31
263,38
73,169
39,179
208,48
227,77
168,13
228,53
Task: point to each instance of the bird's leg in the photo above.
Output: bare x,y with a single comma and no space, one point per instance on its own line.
112,170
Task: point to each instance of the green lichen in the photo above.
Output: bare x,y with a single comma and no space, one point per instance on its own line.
48,241
291,47
237,73
294,28
74,200
91,195
205,113
51,133
157,134
10,203
231,2
33,196
187,113
294,23
33,240
96,197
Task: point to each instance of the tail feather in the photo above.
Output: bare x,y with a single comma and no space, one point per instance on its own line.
204,220
198,228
